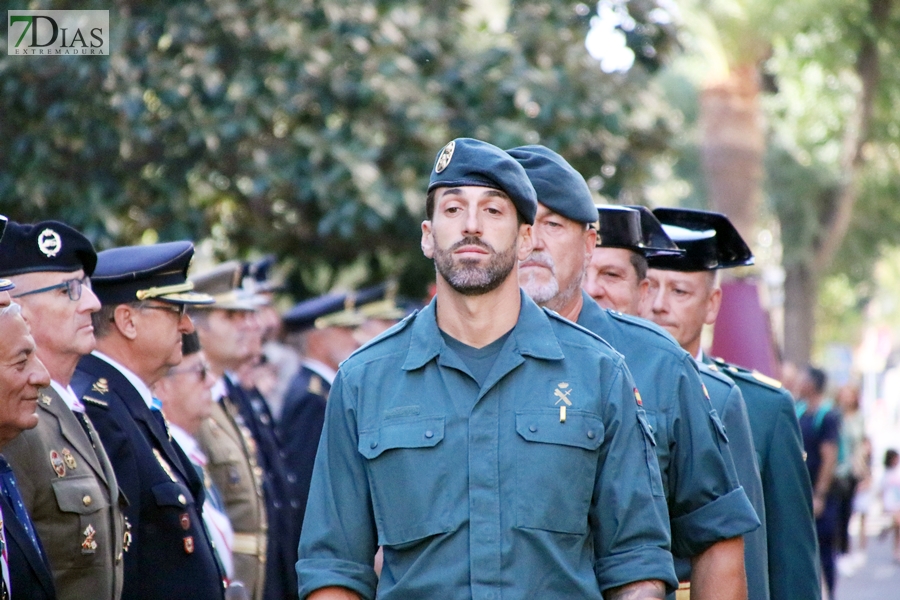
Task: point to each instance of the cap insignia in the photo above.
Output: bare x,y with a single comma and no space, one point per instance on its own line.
444,159
49,243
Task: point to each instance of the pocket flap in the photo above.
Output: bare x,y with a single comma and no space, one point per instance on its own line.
580,429
417,433
171,493
80,495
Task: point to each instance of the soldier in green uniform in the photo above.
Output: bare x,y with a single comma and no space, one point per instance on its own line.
683,295
494,449
64,474
224,437
709,511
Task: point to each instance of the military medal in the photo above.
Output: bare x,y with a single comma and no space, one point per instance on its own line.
637,397
126,536
89,546
69,459
185,521
57,463
165,466
46,400
189,544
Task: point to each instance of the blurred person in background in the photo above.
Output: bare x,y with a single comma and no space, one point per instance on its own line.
890,496
821,429
187,402
846,477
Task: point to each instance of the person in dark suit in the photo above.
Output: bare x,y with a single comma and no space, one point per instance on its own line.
144,291
26,573
65,478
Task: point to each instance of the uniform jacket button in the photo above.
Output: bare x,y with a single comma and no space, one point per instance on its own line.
182,499
87,500
532,428
429,434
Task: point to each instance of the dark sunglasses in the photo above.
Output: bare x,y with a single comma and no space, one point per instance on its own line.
73,288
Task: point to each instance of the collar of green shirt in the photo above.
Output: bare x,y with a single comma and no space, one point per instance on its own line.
533,335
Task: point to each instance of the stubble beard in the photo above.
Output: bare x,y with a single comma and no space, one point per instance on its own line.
469,278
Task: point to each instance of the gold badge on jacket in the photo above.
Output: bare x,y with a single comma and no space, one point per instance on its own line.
57,463
89,545
68,458
189,544
101,386
126,536
45,399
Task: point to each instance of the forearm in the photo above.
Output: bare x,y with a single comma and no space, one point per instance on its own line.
639,590
339,593
719,573
829,453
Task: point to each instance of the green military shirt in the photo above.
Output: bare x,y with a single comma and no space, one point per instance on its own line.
729,404
790,527
706,502
541,483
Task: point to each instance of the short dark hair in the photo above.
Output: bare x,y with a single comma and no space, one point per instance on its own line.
890,457
639,262
429,209
102,320
817,377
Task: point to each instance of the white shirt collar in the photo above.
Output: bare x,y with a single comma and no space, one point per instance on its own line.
188,444
132,378
68,396
219,390
320,369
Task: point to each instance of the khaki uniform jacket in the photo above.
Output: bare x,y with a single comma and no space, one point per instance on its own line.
231,454
70,490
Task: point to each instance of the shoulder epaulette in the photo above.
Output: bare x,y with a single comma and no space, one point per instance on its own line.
95,401
747,374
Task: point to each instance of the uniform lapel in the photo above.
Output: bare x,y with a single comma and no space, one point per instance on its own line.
71,430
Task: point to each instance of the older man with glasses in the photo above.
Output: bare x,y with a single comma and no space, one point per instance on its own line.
143,291
64,475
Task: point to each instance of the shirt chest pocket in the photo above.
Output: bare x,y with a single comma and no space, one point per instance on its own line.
82,499
409,467
559,460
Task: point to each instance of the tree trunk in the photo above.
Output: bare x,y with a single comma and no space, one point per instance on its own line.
800,293
733,147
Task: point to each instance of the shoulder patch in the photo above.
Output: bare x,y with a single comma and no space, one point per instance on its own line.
95,401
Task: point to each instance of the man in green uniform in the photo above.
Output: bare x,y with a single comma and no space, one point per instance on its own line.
64,475
492,448
684,294
224,332
709,511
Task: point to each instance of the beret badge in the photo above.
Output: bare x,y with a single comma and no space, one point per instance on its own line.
49,243
444,159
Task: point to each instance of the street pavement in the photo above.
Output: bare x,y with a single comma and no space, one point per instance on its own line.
877,578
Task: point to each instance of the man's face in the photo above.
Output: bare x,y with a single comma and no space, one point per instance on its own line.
185,392
60,326
474,238
612,281
160,327
551,275
682,303
230,338
22,375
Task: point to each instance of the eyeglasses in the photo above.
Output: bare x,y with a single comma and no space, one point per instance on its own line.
73,288
178,310
202,371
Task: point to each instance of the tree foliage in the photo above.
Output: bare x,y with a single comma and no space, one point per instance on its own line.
308,128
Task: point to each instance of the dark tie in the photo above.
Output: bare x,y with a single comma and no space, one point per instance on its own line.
11,491
83,421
